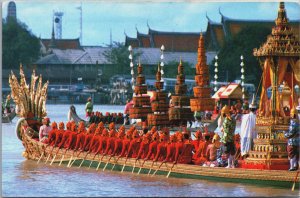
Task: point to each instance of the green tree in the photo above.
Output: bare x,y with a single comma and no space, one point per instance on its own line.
119,56
171,69
19,44
241,44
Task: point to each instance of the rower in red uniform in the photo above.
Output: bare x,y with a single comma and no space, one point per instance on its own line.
52,134
71,140
88,137
171,149
95,140
102,142
110,141
161,152
200,156
66,135
144,146
119,142
134,145
153,147
59,133
198,140
186,147
80,136
126,143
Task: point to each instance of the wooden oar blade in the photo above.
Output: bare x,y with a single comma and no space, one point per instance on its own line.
61,160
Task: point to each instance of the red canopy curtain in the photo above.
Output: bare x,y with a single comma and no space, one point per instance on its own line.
266,82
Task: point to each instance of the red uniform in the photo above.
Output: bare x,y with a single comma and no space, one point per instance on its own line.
198,140
94,143
80,141
125,147
110,146
152,150
64,138
144,147
171,149
118,144
161,152
200,155
51,137
71,140
87,141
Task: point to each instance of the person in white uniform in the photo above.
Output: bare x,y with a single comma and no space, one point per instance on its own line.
248,132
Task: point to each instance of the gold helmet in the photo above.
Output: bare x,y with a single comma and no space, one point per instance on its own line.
293,112
225,110
216,138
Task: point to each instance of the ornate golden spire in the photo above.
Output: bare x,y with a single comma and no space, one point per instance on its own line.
158,74
281,42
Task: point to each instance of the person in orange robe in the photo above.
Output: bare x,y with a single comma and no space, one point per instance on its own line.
184,149
118,142
171,149
59,133
102,142
200,156
80,137
126,143
161,152
52,134
110,142
88,137
134,145
66,135
144,146
198,140
95,140
152,147
70,143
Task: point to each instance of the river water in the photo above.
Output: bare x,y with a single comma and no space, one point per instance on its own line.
21,177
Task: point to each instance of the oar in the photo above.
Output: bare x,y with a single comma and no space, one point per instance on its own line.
99,163
170,170
83,159
54,156
134,166
124,165
42,154
150,168
49,154
62,157
40,157
106,164
114,165
293,187
74,158
141,167
157,169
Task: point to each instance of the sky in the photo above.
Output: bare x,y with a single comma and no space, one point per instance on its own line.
102,17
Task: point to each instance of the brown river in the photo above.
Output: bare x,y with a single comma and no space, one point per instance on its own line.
21,177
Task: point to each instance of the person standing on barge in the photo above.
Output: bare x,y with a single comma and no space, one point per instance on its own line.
293,140
228,134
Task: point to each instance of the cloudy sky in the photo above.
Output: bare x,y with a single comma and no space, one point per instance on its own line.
99,17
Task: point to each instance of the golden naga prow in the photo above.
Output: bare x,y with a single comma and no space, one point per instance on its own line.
29,98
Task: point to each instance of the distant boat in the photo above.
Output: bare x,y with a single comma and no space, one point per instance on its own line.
7,118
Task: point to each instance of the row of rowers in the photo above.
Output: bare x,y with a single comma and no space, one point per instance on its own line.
154,145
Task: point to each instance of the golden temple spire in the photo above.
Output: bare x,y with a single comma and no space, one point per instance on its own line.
158,74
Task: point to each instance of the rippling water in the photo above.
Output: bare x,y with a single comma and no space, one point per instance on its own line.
21,177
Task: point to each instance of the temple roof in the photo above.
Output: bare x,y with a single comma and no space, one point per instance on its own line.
215,35
62,43
89,55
